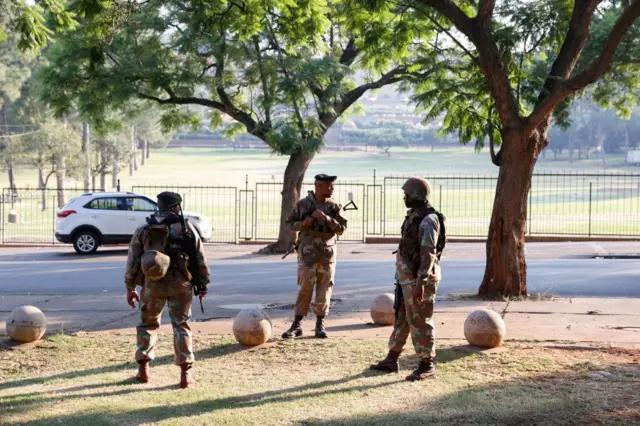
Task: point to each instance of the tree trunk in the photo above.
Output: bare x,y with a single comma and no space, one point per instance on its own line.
86,151
133,161
103,174
293,177
60,177
570,146
143,157
12,179
506,268
146,154
9,158
115,175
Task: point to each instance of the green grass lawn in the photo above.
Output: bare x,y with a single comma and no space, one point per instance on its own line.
88,380
240,191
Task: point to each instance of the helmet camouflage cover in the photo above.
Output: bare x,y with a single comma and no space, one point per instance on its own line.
417,188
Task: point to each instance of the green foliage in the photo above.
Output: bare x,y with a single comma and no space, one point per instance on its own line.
55,144
283,70
529,36
35,22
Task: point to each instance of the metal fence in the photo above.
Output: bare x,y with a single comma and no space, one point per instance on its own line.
28,215
570,204
220,203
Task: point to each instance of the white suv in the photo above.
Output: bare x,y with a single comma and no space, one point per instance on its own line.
103,218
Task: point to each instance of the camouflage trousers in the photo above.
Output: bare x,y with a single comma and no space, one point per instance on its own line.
320,276
176,292
417,319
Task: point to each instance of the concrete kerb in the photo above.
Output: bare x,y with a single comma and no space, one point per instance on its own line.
601,321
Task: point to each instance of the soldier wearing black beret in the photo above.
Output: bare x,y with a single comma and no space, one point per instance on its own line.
318,220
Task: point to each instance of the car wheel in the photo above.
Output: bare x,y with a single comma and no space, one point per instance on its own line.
85,242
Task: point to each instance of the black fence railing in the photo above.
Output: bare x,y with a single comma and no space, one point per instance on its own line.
570,204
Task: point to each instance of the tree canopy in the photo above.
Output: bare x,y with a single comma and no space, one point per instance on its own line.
34,22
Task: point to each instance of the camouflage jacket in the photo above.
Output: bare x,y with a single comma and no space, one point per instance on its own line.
417,255
133,275
317,244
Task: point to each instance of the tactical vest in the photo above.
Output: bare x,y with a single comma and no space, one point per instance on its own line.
409,247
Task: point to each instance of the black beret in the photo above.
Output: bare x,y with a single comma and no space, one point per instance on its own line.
170,198
326,178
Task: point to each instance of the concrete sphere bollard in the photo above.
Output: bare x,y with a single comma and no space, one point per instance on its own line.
382,312
26,324
484,328
252,327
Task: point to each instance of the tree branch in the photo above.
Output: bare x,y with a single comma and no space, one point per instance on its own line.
489,57
455,40
452,12
395,75
595,71
485,11
349,53
263,79
572,46
294,102
252,125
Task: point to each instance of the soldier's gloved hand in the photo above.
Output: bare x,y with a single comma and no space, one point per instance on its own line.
418,293
131,296
203,293
308,222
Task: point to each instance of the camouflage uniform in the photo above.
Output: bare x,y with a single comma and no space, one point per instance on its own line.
417,265
317,253
174,289
417,268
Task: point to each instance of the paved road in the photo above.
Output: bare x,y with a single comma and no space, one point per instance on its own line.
267,281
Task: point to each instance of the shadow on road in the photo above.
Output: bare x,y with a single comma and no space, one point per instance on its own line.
56,254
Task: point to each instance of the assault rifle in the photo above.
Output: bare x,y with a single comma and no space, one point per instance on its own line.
345,208
189,247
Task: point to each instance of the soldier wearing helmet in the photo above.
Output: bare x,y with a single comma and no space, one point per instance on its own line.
417,278
157,262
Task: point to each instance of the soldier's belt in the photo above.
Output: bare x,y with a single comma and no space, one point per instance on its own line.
316,234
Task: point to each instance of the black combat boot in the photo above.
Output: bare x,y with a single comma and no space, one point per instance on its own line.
295,329
425,370
389,364
321,333
143,371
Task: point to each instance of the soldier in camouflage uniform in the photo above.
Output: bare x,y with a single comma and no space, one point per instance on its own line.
417,277
174,289
318,219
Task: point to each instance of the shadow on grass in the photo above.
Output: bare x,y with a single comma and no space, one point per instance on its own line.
201,355
568,398
20,403
563,397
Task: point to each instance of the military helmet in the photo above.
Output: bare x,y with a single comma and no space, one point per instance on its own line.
417,188
155,264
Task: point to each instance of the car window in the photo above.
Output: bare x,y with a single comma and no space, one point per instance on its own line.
140,205
105,203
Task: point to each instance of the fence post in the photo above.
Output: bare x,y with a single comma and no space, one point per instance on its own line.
53,236
529,209
590,191
2,219
374,200
246,201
